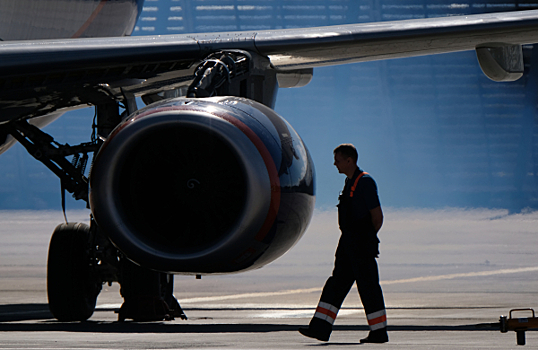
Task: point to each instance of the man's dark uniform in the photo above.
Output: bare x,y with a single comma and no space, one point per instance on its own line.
355,259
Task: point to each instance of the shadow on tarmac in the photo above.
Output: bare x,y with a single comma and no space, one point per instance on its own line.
24,312
44,322
161,327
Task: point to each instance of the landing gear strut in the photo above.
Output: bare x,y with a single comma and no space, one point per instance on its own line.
148,295
82,258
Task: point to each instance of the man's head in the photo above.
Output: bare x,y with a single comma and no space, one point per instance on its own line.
345,159
347,150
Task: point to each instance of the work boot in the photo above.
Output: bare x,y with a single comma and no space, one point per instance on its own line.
377,336
309,332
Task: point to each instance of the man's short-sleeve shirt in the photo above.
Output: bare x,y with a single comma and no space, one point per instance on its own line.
354,216
365,197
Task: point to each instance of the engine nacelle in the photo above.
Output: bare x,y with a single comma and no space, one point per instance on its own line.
201,186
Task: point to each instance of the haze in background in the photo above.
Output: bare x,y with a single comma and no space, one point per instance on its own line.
433,131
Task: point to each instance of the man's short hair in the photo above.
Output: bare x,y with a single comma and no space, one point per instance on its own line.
347,150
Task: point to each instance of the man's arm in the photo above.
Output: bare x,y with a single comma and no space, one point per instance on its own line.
377,218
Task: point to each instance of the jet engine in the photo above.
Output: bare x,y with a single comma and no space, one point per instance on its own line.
203,186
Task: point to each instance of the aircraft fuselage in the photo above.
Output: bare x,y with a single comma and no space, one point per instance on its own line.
55,19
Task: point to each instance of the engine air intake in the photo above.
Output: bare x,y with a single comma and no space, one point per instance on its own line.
183,188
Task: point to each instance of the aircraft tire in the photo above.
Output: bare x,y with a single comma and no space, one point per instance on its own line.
71,288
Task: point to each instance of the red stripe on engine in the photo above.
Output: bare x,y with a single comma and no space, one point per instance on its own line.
90,19
271,170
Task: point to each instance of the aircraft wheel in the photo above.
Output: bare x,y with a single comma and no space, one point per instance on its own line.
72,290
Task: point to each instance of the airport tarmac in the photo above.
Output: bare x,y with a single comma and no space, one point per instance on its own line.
447,276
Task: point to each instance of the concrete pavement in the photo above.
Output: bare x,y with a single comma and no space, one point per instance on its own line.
447,276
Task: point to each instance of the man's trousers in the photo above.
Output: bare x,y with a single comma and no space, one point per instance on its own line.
351,266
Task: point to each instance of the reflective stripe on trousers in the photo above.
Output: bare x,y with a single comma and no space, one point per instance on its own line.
377,320
326,312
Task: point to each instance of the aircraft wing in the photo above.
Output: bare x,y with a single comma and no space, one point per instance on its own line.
40,76
314,47
287,48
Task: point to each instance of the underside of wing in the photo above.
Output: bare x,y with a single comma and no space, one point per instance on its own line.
41,77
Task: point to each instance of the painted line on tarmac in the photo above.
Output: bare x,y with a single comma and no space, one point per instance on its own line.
230,297
250,295
460,275
408,280
317,290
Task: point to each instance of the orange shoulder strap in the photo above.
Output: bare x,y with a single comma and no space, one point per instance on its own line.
356,182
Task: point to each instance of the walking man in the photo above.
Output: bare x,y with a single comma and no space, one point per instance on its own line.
360,217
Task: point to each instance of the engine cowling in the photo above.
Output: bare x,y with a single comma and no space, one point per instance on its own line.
203,186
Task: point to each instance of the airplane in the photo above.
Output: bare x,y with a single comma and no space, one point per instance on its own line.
206,178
